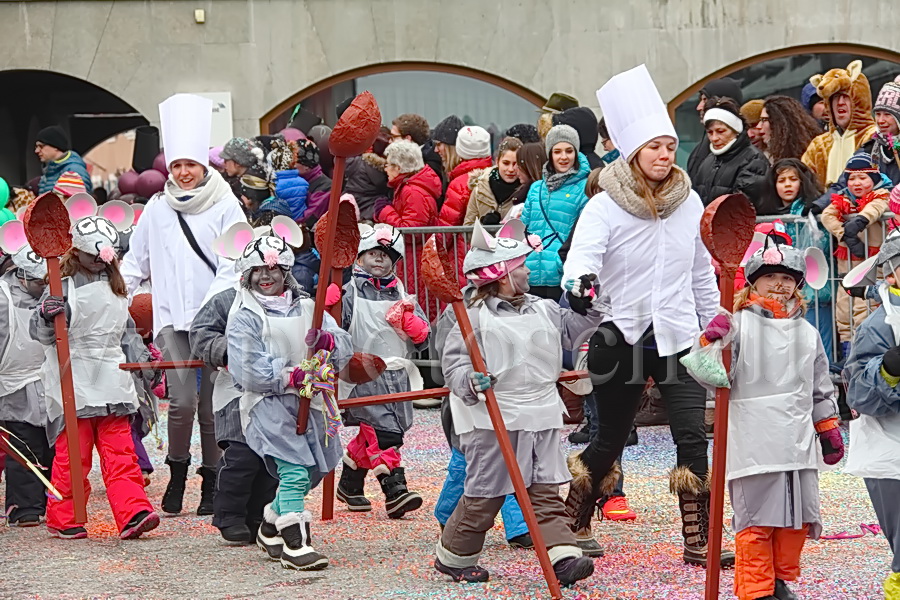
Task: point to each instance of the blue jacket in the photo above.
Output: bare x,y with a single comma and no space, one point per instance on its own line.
292,188
551,216
867,390
70,162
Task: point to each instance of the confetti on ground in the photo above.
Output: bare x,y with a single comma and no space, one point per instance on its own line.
375,558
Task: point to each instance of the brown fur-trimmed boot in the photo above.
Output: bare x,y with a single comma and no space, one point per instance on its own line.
693,500
582,500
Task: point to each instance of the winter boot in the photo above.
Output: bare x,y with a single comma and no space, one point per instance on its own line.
583,495
268,538
783,592
173,498
693,500
474,574
297,551
350,488
523,541
584,539
207,491
236,534
398,500
140,524
570,569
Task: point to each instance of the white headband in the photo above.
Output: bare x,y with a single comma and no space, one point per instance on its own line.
720,114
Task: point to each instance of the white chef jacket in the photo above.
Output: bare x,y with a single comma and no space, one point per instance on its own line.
159,251
655,271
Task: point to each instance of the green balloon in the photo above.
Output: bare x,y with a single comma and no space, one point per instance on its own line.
4,192
6,215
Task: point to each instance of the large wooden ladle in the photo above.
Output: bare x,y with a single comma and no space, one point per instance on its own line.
441,278
726,229
47,228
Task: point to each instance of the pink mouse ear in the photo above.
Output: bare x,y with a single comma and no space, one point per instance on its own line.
514,229
12,237
81,205
864,273
757,242
119,213
285,228
816,268
231,244
138,210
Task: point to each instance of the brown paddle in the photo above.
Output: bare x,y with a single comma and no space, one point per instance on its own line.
726,229
47,228
441,278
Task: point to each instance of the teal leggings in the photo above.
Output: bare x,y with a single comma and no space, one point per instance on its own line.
293,486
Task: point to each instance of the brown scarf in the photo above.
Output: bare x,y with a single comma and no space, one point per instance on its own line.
618,181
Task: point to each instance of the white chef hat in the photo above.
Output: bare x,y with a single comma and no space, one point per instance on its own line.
634,111
186,124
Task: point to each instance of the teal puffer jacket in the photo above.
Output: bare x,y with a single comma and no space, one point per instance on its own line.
551,216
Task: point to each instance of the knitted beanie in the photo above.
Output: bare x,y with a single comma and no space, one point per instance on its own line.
54,136
307,153
445,132
68,184
473,142
242,151
752,111
861,162
525,132
889,99
559,134
406,155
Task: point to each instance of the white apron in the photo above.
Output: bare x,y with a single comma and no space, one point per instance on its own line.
284,338
770,424
524,353
875,441
21,361
97,323
372,334
224,390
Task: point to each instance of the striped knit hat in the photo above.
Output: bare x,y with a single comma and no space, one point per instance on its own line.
889,99
68,184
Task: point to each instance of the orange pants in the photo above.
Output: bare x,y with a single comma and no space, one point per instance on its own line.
764,554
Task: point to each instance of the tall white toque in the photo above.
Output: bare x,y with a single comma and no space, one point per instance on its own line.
186,125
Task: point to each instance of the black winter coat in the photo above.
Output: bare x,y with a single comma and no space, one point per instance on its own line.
742,168
364,177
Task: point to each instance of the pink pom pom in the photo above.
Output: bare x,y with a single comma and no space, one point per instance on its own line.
383,236
271,258
535,242
772,256
107,254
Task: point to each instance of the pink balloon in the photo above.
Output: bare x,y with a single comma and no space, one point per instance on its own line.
150,182
292,135
159,164
128,182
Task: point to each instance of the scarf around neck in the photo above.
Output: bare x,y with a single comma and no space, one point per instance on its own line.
778,309
212,189
619,182
500,188
280,304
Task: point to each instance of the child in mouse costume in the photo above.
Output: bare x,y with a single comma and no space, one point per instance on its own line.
23,408
101,336
775,416
269,336
872,374
522,338
384,321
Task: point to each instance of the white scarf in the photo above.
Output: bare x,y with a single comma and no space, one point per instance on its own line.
278,304
212,189
723,149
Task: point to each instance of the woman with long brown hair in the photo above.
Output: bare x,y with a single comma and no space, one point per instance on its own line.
101,336
641,237
786,128
531,158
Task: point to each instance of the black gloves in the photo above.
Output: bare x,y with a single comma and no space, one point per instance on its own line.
890,362
855,226
856,247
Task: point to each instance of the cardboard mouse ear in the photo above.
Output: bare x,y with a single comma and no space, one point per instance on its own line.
514,229
757,242
481,239
231,244
119,213
138,210
816,268
12,237
864,273
81,205
20,214
288,230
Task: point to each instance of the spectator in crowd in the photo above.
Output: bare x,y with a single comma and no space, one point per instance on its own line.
238,155
444,139
413,127
54,150
69,184
290,186
531,158
473,147
786,128
886,150
717,88
493,189
524,132
849,99
611,153
814,105
584,121
364,177
733,163
319,190
751,111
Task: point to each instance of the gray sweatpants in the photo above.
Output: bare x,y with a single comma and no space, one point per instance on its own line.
184,403
884,494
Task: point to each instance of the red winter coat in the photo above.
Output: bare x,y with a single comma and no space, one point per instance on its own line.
414,205
453,212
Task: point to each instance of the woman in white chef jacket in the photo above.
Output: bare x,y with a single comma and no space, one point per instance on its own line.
873,374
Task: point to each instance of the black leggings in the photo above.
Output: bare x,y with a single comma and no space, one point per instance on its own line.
620,371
